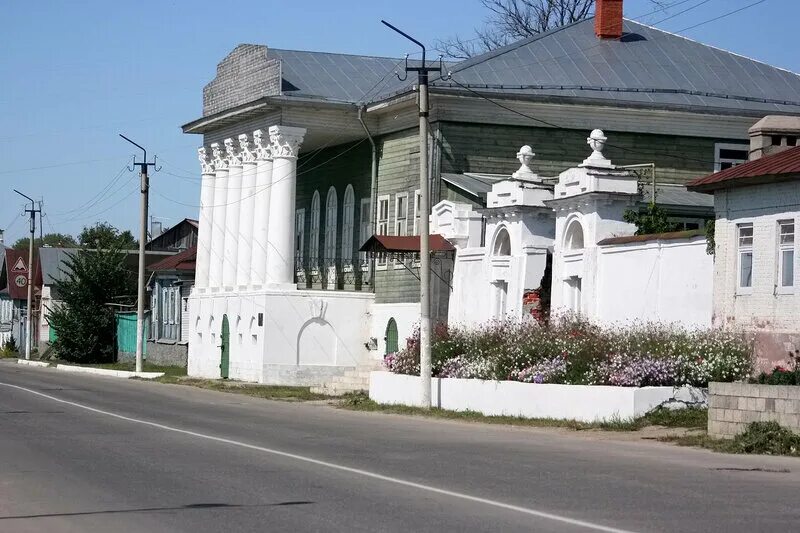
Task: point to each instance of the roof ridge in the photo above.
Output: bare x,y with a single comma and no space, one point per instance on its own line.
333,53
760,62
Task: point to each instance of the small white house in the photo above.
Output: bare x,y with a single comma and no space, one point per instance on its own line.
756,281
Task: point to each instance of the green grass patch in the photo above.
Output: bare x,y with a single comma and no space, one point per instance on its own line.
267,392
763,438
130,366
687,418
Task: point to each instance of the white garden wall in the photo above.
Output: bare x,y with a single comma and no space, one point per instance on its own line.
584,403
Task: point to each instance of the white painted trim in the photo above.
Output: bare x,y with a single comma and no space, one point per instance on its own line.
718,147
28,362
108,372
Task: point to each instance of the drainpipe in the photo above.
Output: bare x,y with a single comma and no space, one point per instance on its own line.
373,188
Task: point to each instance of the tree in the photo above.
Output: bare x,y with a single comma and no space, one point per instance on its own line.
511,20
106,237
56,240
651,220
84,321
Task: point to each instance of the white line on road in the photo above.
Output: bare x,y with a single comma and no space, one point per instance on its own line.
342,468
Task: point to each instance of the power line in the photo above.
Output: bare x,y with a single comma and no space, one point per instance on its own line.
722,16
679,13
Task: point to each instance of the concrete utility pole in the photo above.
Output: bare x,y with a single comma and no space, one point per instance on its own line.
424,221
29,323
145,190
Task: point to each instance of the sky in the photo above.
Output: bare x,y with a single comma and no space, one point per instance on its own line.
73,75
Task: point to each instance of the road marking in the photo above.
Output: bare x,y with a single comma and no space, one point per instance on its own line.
334,466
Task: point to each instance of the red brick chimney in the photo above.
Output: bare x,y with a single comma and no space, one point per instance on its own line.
608,19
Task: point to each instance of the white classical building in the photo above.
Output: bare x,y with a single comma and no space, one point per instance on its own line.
575,223
248,319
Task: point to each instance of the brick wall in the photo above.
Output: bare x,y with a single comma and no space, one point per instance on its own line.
765,309
245,74
732,406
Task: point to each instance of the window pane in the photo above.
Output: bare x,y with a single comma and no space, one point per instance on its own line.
787,232
746,269
787,268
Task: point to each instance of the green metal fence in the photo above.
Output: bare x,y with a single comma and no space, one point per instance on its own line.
126,332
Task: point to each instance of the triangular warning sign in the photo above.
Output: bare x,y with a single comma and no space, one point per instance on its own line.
19,266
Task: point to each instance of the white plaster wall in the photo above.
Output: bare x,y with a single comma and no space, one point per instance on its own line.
405,314
668,281
585,403
765,307
302,330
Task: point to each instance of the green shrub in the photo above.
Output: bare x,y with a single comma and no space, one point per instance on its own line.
767,438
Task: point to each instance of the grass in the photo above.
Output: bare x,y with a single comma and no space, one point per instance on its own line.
688,418
8,354
764,438
267,392
130,366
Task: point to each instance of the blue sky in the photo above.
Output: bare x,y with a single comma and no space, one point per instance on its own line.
75,74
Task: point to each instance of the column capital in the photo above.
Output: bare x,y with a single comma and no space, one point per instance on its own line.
205,166
286,140
220,163
263,151
246,155
232,156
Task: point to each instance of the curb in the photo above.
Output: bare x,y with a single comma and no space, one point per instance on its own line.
29,362
107,372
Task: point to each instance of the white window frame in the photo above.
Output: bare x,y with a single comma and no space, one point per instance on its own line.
299,237
718,147
365,229
417,210
741,251
331,226
786,247
313,237
348,227
382,227
401,222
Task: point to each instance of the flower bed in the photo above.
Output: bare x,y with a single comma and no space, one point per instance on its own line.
570,351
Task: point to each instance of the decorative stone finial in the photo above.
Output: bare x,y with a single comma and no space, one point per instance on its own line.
230,150
244,149
263,152
205,166
525,156
220,163
597,141
286,140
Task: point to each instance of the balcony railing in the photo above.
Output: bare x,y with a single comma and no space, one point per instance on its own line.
334,274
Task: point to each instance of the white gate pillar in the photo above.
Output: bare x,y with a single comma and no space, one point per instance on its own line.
285,141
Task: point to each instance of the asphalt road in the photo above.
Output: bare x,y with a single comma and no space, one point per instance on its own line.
82,453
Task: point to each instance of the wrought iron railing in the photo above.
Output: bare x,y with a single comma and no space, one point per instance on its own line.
351,274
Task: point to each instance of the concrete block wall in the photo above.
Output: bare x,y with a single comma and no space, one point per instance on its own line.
246,74
732,406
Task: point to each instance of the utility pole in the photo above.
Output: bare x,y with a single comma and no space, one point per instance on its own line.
424,221
145,190
29,323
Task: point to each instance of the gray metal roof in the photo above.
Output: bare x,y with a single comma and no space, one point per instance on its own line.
677,195
477,185
647,66
51,260
338,77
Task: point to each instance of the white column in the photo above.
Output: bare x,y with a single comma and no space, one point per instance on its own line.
218,218
232,216
261,204
285,143
205,222
246,210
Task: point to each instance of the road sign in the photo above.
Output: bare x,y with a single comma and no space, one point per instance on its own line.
21,280
19,266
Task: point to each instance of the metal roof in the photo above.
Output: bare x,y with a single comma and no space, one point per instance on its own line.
775,167
185,261
677,195
51,263
647,66
475,184
669,236
400,244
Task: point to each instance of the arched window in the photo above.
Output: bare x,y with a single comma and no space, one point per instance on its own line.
391,337
573,237
331,208
313,237
348,215
502,243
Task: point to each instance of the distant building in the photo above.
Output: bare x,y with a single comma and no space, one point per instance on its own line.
14,296
180,237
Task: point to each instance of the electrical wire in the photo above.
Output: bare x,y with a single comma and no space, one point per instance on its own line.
679,13
722,16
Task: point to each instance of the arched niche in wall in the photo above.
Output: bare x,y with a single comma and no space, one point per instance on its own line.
502,243
573,236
